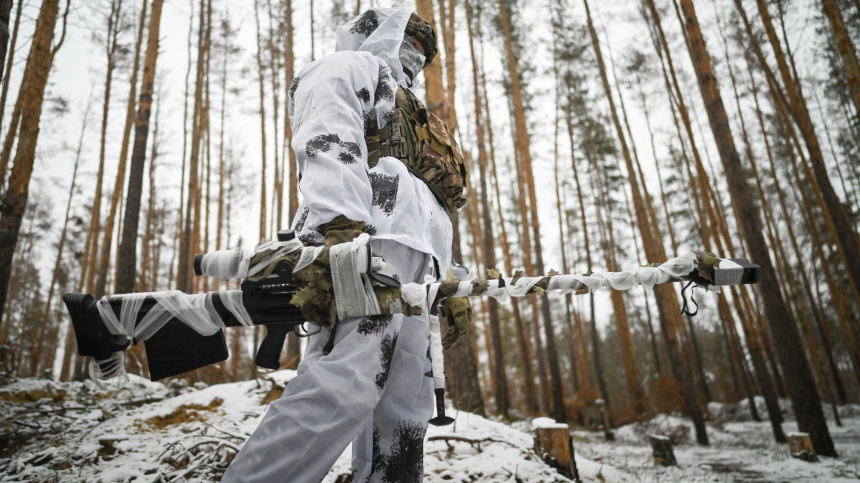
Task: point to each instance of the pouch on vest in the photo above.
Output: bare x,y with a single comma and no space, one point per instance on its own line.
423,143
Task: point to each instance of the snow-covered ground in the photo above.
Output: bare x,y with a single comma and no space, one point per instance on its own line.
740,451
72,432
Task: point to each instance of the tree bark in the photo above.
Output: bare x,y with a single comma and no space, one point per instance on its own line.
9,62
595,340
289,61
523,146
119,184
183,269
666,301
128,246
31,95
289,66
436,100
261,77
45,322
574,355
5,15
149,266
845,47
523,344
95,226
847,240
801,387
446,21
277,187
500,385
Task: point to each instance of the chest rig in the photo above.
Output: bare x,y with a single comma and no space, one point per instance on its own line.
423,143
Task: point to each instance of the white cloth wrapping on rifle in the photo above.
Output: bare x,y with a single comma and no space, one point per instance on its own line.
434,333
626,279
564,284
196,311
353,289
235,264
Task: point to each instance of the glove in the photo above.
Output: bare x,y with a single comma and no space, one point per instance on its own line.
314,290
458,313
341,230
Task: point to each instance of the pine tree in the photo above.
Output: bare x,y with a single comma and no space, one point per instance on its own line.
30,97
807,406
119,184
126,274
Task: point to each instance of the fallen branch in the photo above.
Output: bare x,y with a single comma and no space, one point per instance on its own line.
58,410
473,442
243,438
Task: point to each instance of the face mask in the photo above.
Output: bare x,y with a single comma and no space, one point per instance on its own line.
411,60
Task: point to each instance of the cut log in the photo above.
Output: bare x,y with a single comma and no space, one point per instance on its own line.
555,446
800,447
661,450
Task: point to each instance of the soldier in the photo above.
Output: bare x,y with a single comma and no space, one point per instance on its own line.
372,160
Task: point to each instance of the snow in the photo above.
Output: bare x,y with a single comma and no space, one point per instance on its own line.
548,423
74,432
739,451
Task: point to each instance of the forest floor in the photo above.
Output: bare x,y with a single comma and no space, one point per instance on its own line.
74,432
740,450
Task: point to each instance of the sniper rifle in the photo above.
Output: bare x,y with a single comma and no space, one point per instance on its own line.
183,332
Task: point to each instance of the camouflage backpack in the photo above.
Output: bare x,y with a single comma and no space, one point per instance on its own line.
422,141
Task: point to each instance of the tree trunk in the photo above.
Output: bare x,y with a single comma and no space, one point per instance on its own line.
500,386
149,267
289,66
523,146
204,248
436,101
45,322
183,269
293,355
274,67
847,240
95,226
446,20
181,225
9,62
128,246
807,406
807,286
529,268
666,301
595,340
119,184
30,96
261,77
845,47
574,356
523,345
5,15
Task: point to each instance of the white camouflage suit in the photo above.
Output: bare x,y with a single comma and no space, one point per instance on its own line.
371,389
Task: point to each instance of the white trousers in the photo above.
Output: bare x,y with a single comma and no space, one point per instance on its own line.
371,390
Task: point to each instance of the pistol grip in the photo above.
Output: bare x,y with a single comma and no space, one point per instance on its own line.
269,353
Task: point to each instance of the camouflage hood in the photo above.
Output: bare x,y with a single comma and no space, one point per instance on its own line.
378,31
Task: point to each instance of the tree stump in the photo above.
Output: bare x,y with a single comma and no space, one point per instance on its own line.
554,444
604,415
661,450
107,445
800,447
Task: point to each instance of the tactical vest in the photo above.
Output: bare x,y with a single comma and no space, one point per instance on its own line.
423,143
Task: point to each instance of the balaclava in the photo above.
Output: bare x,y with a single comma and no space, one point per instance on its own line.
383,32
